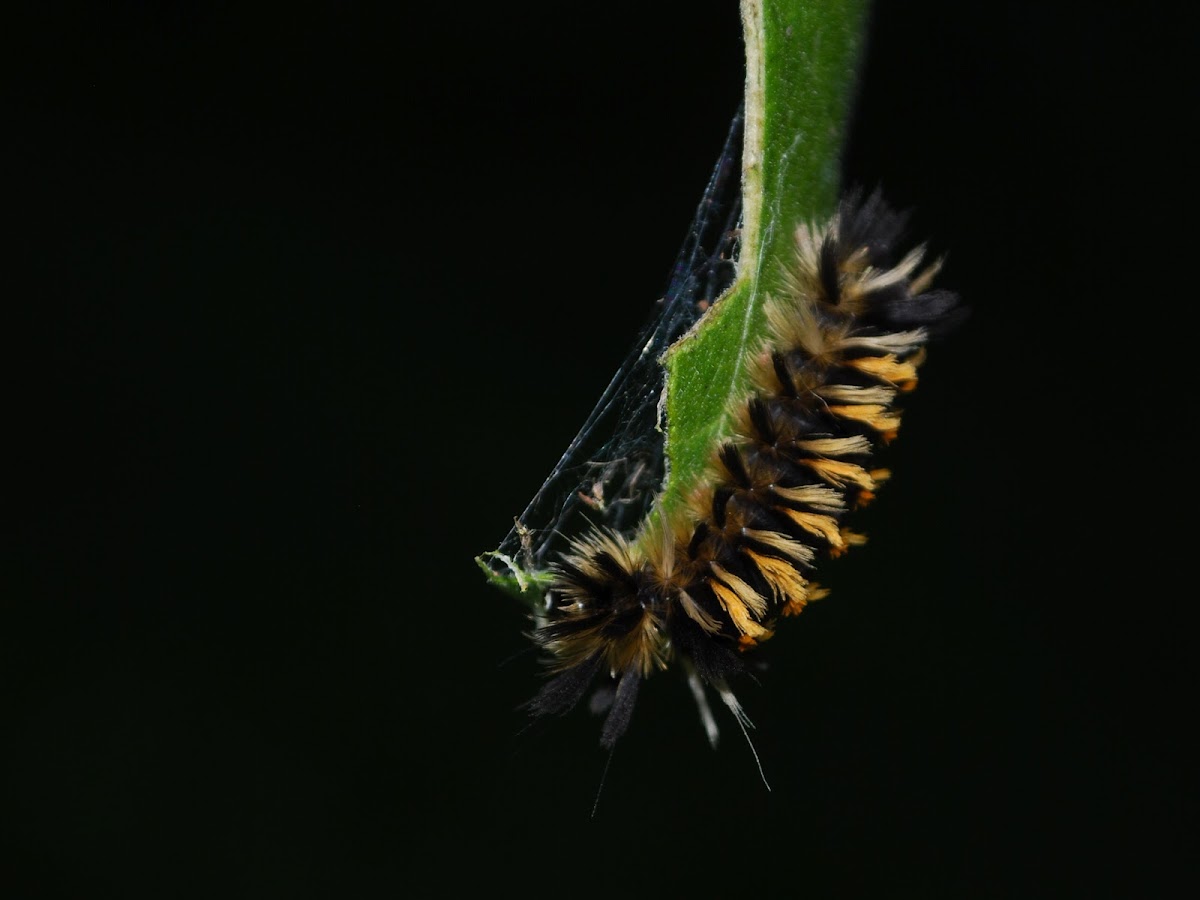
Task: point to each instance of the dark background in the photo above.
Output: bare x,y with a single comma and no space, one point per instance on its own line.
308,301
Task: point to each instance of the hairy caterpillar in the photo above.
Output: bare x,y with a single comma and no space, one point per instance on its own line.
846,337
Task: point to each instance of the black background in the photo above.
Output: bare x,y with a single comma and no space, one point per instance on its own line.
309,300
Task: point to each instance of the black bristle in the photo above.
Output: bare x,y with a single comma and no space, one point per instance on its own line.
760,418
779,362
870,223
560,694
719,503
697,540
828,270
731,459
714,660
619,715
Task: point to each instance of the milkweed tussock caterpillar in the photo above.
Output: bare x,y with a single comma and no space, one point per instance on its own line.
700,588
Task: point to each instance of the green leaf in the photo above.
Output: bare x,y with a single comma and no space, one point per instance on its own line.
801,62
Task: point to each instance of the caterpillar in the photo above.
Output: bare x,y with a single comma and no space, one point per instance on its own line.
706,585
